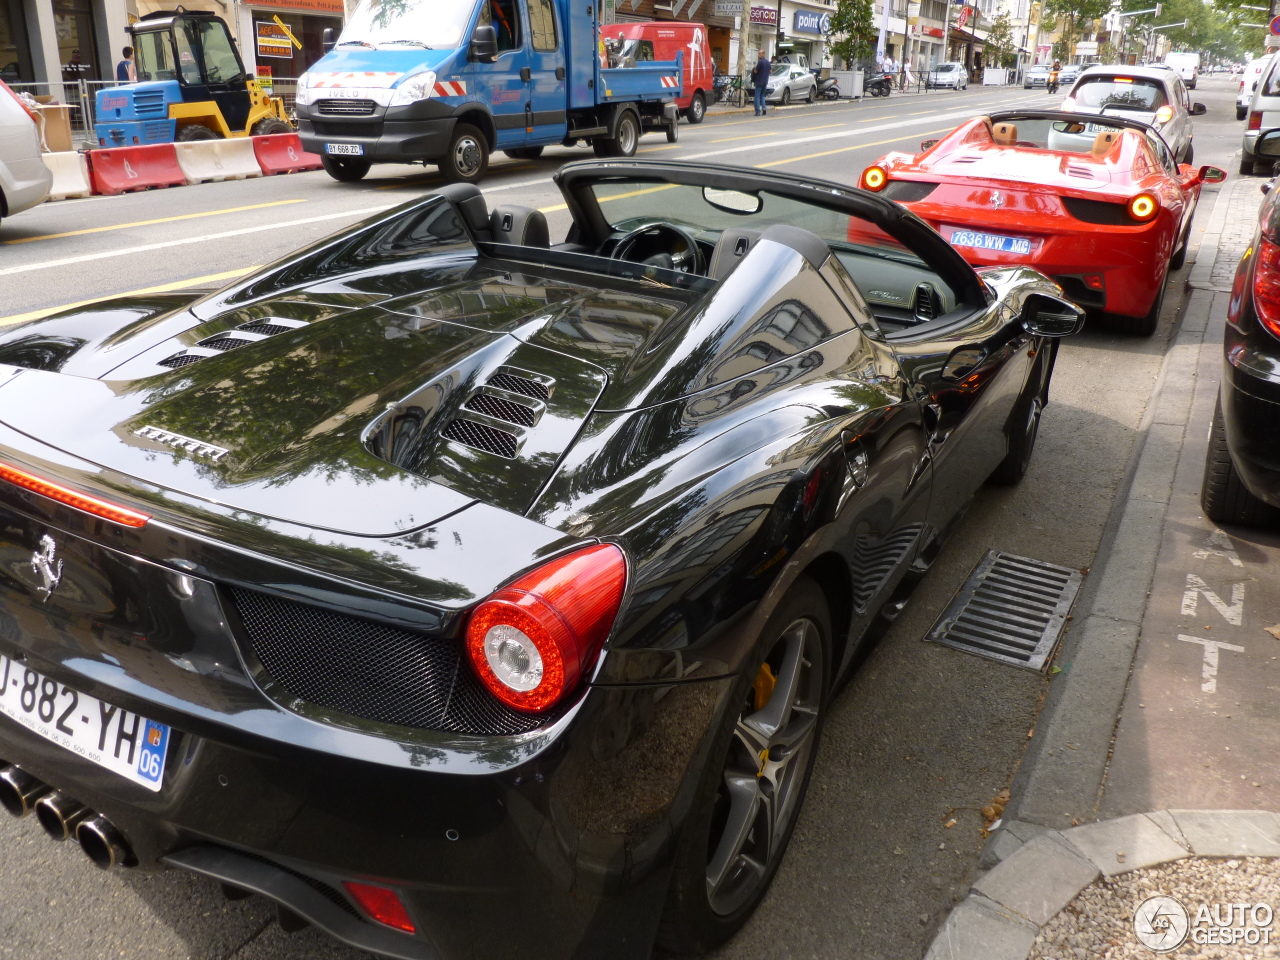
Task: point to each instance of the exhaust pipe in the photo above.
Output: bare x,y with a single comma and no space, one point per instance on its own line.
59,815
103,843
19,791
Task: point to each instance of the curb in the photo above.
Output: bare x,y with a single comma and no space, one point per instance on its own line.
1065,764
1045,870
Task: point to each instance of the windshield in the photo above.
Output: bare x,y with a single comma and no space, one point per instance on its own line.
1120,93
947,68
154,56
780,70
438,24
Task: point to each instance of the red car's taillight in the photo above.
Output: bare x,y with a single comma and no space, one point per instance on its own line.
81,501
1255,120
1143,207
874,178
1266,285
533,641
29,112
381,904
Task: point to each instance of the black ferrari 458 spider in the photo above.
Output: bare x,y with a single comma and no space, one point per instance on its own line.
475,596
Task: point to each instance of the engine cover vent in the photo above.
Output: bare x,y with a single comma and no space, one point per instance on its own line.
180,360
225,343
480,436
270,326
501,408
523,384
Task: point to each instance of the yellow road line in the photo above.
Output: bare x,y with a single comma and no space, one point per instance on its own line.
823,127
148,223
669,146
162,288
827,153
749,136
615,196
887,117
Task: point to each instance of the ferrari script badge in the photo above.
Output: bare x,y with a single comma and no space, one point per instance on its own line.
997,199
48,569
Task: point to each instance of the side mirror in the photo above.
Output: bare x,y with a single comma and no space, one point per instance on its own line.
1210,174
1199,109
927,145
484,44
1046,316
327,39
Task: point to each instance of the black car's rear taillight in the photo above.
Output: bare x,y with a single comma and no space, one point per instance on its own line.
1266,285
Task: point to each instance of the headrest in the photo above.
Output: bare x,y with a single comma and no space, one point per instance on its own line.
1004,134
523,226
1103,142
734,244
471,204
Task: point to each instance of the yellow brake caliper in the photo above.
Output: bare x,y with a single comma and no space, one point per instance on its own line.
762,688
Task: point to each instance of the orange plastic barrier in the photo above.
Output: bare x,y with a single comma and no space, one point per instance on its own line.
283,153
124,169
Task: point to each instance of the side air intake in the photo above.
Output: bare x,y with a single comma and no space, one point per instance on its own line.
481,436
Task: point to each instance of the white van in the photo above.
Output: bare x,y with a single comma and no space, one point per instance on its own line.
1187,65
1248,83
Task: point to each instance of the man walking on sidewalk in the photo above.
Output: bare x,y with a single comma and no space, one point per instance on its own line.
760,77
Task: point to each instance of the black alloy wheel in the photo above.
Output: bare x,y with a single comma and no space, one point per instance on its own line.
697,108
196,131
1022,442
345,169
270,125
467,157
750,796
1222,494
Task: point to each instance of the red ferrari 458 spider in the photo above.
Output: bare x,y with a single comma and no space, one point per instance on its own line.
1098,203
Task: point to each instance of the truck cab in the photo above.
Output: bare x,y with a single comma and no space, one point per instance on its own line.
420,81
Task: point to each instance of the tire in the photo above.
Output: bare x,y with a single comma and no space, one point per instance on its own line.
1191,154
673,132
1241,112
268,126
786,97
601,147
524,153
467,157
697,111
1025,427
1144,326
809,97
627,136
1179,259
1224,497
701,913
1246,164
195,131
345,169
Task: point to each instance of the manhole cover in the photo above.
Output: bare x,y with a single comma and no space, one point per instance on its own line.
1011,609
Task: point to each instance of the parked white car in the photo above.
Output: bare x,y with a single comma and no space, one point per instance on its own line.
24,179
1262,132
1249,82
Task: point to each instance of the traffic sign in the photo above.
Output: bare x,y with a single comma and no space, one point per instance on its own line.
1275,26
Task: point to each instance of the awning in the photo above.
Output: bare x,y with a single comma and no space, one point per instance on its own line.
964,36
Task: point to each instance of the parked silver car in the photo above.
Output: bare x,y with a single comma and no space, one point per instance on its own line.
24,179
1262,131
1037,75
790,81
951,75
1151,95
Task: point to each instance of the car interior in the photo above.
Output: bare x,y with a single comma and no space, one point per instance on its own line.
874,273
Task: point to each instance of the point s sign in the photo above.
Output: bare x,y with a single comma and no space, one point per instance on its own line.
810,21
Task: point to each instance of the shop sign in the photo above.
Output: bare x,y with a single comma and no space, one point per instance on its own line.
963,18
933,32
264,78
728,8
331,8
765,15
273,41
811,21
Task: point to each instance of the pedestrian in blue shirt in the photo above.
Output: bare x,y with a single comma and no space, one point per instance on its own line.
126,70
760,77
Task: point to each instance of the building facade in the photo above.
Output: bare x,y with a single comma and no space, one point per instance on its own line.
48,41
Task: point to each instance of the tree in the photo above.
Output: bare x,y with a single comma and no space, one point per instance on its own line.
1000,42
854,24
1073,17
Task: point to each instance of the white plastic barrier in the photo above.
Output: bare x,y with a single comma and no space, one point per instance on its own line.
233,159
994,76
70,175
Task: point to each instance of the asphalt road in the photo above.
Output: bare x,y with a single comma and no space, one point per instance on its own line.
922,735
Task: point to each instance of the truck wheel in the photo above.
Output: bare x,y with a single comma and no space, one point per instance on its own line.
467,157
269,125
697,109
673,132
194,131
623,144
345,169
524,153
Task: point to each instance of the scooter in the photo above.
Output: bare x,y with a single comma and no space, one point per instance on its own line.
828,89
880,84
1051,84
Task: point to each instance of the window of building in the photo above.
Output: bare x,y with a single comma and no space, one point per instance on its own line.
15,54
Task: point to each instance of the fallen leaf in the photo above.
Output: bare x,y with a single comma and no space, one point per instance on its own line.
1274,631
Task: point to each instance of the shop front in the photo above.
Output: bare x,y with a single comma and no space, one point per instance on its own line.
804,32
282,39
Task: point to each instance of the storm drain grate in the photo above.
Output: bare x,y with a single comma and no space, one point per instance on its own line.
1011,609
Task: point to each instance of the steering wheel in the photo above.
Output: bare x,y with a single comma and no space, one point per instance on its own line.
662,245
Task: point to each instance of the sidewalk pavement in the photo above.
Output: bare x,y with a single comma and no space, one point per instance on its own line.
1167,697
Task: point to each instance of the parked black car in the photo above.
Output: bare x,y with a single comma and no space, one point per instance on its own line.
1242,470
476,597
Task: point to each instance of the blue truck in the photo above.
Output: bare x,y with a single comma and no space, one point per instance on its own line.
450,81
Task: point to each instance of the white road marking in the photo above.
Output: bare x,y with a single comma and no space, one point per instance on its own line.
1232,612
1218,545
225,235
1209,672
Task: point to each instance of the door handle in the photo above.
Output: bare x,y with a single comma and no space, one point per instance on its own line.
963,362
559,73
526,74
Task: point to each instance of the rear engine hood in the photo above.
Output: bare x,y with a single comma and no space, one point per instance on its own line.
1023,167
369,421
